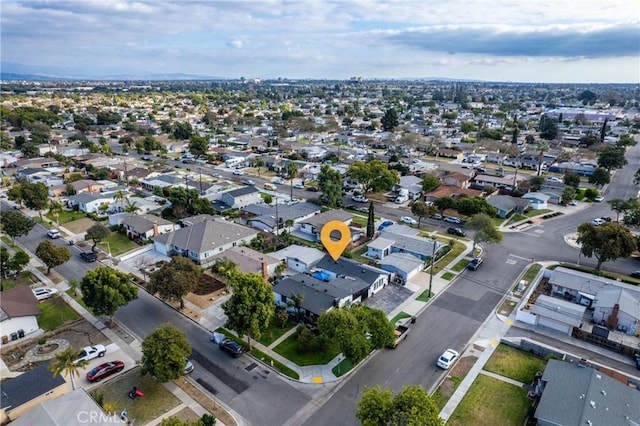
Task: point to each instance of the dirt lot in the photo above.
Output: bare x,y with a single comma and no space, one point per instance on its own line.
459,370
79,334
79,226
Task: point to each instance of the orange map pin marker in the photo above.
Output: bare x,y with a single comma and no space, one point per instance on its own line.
335,248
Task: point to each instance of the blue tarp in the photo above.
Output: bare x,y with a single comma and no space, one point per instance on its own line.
320,275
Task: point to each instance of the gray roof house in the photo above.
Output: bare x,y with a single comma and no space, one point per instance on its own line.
145,226
403,266
241,197
557,314
419,247
620,304
573,395
568,282
265,215
89,202
299,258
312,226
505,204
202,240
538,200
249,260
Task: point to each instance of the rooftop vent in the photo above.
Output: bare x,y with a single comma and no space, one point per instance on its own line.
593,404
603,392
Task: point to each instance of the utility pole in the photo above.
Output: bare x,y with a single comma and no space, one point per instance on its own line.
200,170
433,258
277,218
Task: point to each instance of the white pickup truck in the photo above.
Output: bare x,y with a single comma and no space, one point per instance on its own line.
91,352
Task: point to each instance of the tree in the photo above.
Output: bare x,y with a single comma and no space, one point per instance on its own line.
97,233
600,177
611,157
626,140
104,290
342,327
56,207
389,120
35,196
543,146
470,206
430,182
66,364
636,177
174,279
164,353
572,179
411,406
548,128
569,194
420,209
15,194
618,205
371,222
226,268
17,262
296,301
52,255
258,162
131,207
373,176
485,230
291,171
330,183
632,212
250,309
119,198
182,131
608,241
591,193
376,325
198,145
15,224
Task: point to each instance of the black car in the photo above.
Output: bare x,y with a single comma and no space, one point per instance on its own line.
88,256
231,347
474,264
456,231
606,218
635,274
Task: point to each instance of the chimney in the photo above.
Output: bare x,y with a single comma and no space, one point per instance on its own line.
612,322
155,230
265,271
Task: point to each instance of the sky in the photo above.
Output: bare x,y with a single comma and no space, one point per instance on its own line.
555,41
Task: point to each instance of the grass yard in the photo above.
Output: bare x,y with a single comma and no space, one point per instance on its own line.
66,216
7,240
290,349
342,368
439,398
401,315
362,221
78,298
491,402
274,332
118,243
458,248
24,278
459,267
533,213
424,296
516,217
515,364
55,312
156,401
529,275
448,276
275,364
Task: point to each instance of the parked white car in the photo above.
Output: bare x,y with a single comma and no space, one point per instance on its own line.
91,352
597,221
44,293
53,234
447,359
408,220
359,199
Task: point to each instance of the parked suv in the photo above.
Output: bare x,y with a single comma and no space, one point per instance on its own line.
231,347
53,233
474,264
456,231
88,256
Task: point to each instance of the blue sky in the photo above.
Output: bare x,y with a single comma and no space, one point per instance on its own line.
582,41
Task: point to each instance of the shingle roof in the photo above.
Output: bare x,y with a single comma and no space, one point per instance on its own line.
27,386
321,219
307,255
244,190
19,302
559,310
286,212
402,261
144,222
413,244
587,283
206,235
350,268
625,300
506,203
247,259
579,396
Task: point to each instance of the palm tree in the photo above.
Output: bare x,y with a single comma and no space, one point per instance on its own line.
119,197
66,363
291,172
288,223
225,268
543,146
56,208
131,207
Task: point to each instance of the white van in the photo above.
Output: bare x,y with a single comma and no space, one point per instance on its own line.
270,186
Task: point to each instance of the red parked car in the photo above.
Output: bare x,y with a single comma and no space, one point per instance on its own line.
105,370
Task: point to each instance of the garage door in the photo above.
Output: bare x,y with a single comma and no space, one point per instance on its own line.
555,325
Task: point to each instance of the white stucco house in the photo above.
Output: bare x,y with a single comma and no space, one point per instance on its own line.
18,313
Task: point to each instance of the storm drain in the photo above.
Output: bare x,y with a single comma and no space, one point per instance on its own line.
251,366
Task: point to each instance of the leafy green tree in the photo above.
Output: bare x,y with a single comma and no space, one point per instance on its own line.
569,194
97,233
612,157
66,364
618,205
430,182
572,179
371,222
104,290
342,326
626,140
291,171
373,176
164,353
469,206
376,325
35,196
485,230
226,268
420,209
591,193
548,128
198,145
174,279
411,406
182,131
18,262
606,242
600,177
389,120
15,194
250,309
536,182
52,255
330,183
632,212
258,162
15,224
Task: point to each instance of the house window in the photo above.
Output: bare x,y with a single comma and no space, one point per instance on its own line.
283,298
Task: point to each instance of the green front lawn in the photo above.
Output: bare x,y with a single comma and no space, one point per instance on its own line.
66,216
55,312
362,221
24,278
491,402
515,364
290,349
448,276
118,243
402,315
458,248
424,296
343,367
531,272
156,401
439,398
274,332
459,267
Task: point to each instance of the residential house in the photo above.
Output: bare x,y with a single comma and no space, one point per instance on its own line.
581,287
618,309
162,181
251,261
202,240
538,200
574,395
299,258
86,185
268,218
557,314
18,313
28,390
456,179
583,168
145,226
33,174
376,278
312,226
506,204
413,184
450,153
403,266
88,202
451,191
506,182
55,412
404,240
241,197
